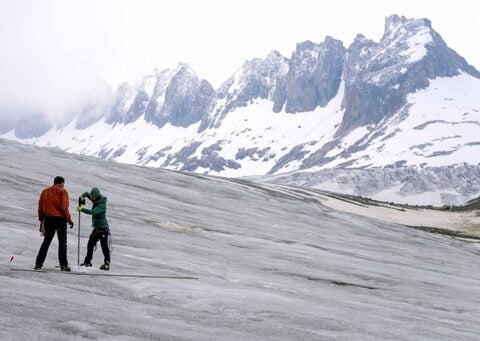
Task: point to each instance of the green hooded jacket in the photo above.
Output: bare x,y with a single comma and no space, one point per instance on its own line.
98,212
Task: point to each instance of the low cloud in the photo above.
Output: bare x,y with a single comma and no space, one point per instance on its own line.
56,56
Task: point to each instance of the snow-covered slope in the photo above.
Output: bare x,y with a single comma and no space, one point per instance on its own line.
272,263
438,126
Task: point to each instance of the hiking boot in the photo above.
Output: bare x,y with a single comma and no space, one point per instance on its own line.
37,267
86,264
105,266
65,268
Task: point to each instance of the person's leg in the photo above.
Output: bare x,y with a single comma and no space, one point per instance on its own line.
92,240
47,239
105,249
62,243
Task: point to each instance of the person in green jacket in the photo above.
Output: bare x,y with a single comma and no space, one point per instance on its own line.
100,227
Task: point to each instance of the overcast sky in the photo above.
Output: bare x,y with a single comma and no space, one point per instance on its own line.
55,54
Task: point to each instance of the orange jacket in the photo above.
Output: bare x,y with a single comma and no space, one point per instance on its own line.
54,202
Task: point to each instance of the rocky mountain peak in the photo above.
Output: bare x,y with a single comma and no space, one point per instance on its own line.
184,68
409,37
274,55
359,37
378,76
184,78
314,75
394,22
177,96
329,40
304,57
257,78
182,99
123,99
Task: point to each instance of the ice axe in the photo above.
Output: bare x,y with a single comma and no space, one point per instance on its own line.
81,202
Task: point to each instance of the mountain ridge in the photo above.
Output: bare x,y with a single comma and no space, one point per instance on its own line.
407,100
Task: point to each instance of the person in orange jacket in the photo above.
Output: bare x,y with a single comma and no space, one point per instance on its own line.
54,215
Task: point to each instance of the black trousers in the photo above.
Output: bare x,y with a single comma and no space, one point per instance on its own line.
52,224
96,235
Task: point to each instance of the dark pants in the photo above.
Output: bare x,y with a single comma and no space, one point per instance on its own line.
96,235
52,224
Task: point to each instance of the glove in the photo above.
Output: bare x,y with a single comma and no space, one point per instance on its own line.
71,224
79,209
